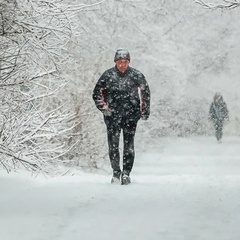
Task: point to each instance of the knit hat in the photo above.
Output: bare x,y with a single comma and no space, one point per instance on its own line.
122,54
218,97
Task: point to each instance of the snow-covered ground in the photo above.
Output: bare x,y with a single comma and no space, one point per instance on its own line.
183,189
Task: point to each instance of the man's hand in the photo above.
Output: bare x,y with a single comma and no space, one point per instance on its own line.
105,108
103,104
144,117
144,114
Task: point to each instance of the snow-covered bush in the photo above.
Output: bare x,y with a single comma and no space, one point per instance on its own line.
34,121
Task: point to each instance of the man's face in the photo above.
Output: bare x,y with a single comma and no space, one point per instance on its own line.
122,65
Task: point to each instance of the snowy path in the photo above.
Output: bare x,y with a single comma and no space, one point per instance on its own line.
183,190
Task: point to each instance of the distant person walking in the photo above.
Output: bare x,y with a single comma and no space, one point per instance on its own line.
218,114
122,94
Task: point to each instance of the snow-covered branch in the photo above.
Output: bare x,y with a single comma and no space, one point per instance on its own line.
7,152
81,7
224,4
38,126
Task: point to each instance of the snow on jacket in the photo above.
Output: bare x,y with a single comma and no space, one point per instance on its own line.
126,94
218,111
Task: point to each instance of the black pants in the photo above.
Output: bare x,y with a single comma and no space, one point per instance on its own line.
218,129
114,127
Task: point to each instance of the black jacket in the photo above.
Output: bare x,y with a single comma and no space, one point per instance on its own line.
218,111
127,94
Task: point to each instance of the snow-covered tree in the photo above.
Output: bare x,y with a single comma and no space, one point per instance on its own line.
185,52
53,52
36,123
